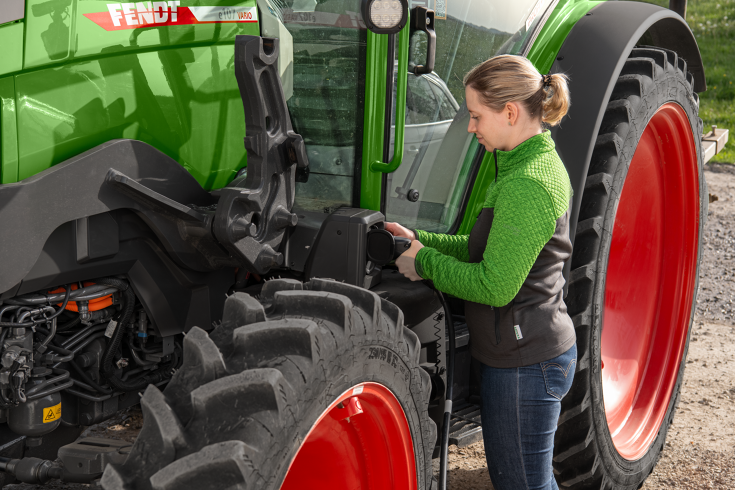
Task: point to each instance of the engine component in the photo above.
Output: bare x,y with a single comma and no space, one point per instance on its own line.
94,332
31,470
39,416
85,460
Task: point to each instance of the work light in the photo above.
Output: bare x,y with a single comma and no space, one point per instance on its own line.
385,16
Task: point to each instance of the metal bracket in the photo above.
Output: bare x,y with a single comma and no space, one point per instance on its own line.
251,220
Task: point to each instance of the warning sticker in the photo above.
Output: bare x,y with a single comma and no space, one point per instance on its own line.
51,414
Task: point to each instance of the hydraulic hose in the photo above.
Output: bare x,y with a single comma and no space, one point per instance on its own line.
82,294
125,316
444,448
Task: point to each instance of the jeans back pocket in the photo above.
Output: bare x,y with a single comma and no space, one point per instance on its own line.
559,373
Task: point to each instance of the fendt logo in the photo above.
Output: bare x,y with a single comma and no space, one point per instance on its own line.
153,14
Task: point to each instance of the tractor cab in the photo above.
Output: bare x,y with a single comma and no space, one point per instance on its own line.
325,73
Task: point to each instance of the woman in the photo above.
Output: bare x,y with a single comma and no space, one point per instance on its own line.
509,269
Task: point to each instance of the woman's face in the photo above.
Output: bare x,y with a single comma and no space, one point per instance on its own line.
494,129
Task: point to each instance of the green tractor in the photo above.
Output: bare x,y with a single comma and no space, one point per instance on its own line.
244,294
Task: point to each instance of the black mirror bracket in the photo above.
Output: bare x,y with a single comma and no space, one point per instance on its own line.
422,19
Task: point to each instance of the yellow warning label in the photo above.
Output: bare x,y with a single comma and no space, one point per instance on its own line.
51,414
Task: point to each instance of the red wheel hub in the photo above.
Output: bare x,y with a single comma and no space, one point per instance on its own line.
361,441
651,276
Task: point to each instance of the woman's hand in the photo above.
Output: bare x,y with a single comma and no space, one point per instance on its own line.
406,263
397,230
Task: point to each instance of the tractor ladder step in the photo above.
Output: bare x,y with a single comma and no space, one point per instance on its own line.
465,427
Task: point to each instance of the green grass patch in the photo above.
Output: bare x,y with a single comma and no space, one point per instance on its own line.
713,24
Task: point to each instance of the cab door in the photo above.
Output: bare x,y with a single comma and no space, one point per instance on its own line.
433,185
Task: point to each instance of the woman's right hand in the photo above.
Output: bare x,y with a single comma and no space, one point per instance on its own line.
397,230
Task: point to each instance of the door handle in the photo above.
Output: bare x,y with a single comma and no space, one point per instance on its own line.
400,128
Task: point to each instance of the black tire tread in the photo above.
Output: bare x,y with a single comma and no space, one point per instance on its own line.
650,77
270,363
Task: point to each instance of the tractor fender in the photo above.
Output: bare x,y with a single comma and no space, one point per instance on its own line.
593,56
80,188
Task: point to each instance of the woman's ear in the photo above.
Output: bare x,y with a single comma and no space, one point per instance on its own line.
511,113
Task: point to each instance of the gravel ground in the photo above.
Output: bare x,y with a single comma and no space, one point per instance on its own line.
700,451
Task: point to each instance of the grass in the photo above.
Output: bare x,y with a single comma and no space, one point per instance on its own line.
713,24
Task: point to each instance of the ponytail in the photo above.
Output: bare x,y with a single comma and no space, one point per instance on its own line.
556,104
509,78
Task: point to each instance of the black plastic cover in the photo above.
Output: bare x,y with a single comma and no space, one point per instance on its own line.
251,219
340,248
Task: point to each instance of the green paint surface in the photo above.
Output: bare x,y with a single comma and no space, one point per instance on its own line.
555,31
372,146
8,131
173,87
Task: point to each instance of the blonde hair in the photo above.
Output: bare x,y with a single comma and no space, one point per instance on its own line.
509,78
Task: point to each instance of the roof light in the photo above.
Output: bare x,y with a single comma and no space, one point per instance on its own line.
385,16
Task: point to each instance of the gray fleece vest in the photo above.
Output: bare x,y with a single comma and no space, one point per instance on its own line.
534,326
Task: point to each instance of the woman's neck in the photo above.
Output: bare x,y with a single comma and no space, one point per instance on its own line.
523,132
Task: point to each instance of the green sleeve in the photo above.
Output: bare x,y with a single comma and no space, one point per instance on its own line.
524,221
452,245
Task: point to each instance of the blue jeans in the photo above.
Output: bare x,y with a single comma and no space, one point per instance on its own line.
520,410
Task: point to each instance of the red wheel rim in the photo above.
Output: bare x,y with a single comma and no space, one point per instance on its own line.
651,275
362,441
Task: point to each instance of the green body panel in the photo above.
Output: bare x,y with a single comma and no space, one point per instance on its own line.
8,129
372,149
542,54
400,103
173,87
555,31
485,176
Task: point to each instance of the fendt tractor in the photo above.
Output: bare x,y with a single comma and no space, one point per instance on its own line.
246,295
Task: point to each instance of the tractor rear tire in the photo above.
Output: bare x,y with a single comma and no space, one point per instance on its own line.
635,270
316,385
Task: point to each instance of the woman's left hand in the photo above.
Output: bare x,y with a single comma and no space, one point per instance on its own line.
406,263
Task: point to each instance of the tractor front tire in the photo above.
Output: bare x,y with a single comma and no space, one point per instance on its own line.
316,385
634,278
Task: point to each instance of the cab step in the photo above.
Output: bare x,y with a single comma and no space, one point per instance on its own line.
465,426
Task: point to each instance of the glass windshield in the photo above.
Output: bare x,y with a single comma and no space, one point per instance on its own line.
322,59
428,189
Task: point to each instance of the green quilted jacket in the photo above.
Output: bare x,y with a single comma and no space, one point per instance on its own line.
531,191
